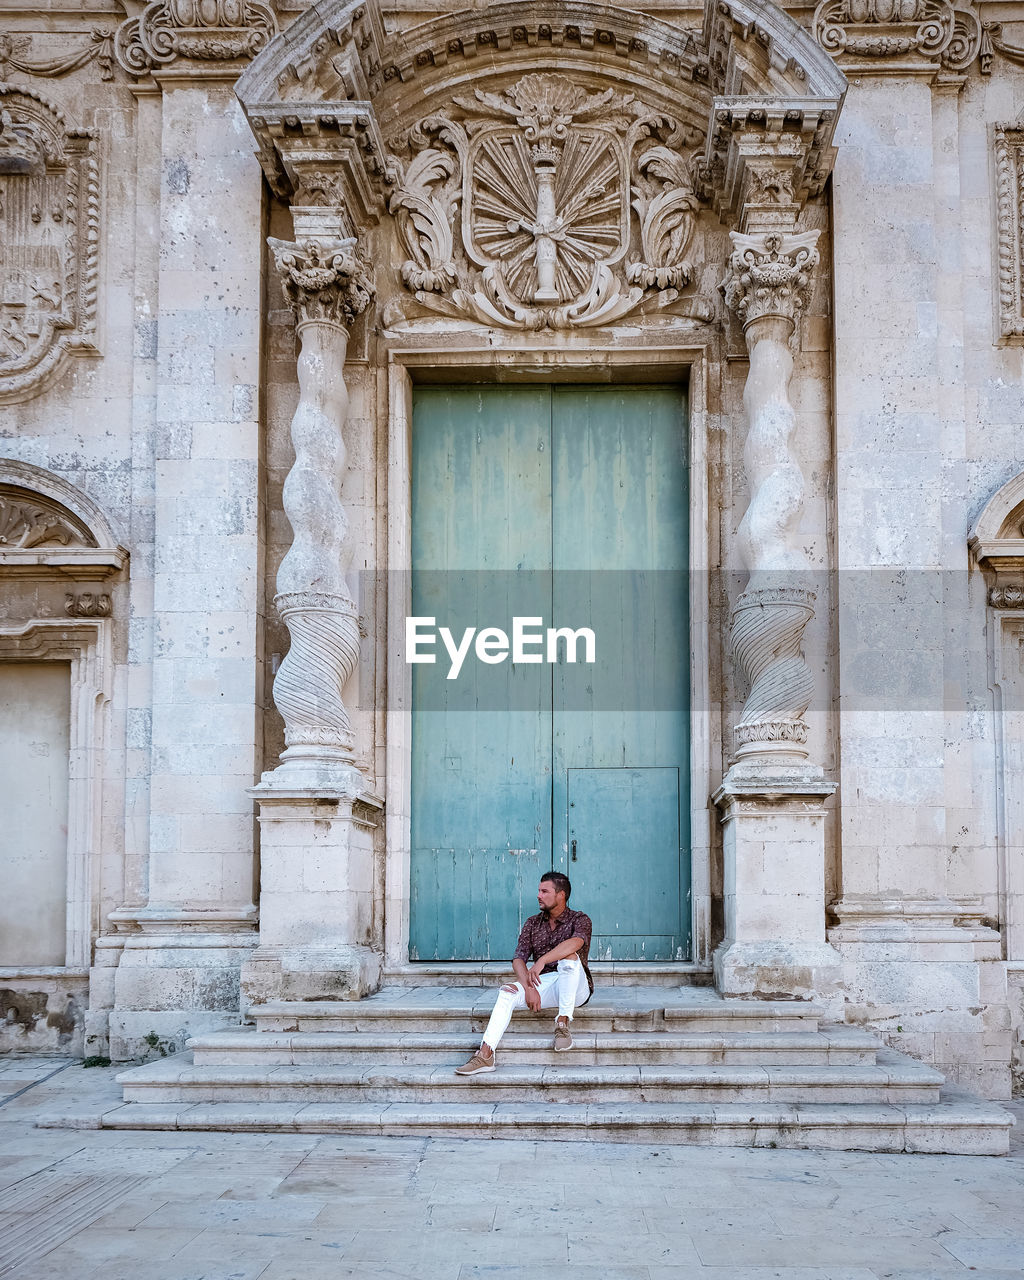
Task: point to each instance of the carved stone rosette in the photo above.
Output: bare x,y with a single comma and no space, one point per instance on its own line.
767,287
327,285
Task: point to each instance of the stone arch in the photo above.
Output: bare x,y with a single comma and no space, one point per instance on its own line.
1003,515
72,517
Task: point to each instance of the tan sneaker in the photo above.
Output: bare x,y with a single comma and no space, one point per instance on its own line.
476,1065
563,1039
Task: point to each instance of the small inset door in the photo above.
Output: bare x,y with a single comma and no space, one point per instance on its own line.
623,835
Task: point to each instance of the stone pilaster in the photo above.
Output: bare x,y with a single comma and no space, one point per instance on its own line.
195,919
771,801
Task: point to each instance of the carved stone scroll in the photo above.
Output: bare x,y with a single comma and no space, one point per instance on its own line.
767,287
207,30
49,230
328,287
930,30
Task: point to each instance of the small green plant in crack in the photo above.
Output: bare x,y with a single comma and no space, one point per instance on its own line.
95,1060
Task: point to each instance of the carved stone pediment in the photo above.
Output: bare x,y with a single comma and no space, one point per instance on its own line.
543,170
49,231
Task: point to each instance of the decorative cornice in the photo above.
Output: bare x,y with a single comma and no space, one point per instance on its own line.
897,35
324,281
215,31
770,275
767,152
325,155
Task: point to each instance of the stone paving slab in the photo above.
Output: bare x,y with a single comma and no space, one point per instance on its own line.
173,1205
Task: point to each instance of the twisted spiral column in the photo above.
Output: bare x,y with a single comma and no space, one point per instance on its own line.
327,286
767,286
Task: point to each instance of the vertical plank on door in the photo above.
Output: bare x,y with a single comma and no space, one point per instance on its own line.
619,537
481,547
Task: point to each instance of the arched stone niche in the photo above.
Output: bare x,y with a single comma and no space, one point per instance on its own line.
534,177
58,553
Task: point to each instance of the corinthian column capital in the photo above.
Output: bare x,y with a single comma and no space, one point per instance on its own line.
770,275
324,279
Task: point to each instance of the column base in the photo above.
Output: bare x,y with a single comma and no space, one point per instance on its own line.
310,973
781,970
322,868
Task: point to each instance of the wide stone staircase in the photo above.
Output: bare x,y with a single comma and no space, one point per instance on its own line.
650,1064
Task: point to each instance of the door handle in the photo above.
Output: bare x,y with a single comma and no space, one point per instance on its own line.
574,850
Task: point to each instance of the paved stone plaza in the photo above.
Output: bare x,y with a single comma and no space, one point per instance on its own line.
129,1205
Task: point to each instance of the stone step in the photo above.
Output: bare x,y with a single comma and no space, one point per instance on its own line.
425,1009
606,973
834,1046
895,1079
957,1124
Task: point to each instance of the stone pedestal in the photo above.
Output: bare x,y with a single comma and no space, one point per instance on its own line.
928,974
316,899
772,819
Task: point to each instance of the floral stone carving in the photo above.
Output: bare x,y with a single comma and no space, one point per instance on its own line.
1009,143
49,233
519,212
207,30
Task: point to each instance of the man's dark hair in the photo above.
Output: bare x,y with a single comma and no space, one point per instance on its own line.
562,883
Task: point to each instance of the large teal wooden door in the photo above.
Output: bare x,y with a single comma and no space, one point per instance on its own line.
567,504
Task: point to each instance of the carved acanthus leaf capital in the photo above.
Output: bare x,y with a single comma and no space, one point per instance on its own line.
770,275
323,280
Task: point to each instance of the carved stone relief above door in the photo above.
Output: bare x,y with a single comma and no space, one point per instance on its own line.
546,205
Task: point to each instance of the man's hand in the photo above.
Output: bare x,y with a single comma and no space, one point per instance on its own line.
533,999
533,975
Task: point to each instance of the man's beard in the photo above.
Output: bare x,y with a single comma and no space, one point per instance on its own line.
546,912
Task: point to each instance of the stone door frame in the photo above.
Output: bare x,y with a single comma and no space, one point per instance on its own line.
530,362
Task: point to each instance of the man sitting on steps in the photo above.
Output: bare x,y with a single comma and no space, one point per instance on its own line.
557,940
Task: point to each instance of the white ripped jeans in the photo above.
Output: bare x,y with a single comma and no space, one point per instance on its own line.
567,988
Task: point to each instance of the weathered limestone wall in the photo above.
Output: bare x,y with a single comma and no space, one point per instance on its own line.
80,428
926,400
198,914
